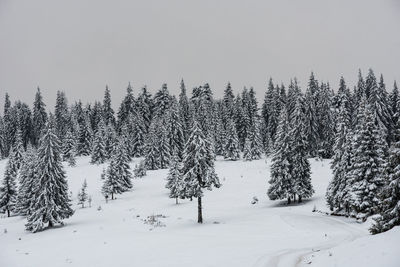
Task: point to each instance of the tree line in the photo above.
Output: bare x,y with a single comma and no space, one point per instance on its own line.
358,129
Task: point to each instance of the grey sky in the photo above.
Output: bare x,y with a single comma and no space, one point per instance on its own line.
80,46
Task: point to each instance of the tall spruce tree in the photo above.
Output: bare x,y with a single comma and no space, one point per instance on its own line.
174,130
394,104
342,157
184,110
118,175
27,176
51,202
61,115
281,182
389,215
69,149
152,148
253,145
198,167
231,142
8,190
39,117
127,107
108,112
378,103
367,165
174,178
300,166
85,137
312,123
99,154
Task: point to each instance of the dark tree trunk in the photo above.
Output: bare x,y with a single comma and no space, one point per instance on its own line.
176,200
199,211
300,200
51,224
289,200
8,213
112,196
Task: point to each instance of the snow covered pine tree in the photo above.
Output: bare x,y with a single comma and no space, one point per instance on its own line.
51,202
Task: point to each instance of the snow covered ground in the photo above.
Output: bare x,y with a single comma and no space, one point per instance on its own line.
235,232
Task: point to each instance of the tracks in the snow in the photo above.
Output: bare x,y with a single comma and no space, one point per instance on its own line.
295,256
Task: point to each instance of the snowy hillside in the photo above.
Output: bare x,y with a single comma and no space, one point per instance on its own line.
235,232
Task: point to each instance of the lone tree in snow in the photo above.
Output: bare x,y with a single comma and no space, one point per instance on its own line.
82,195
51,202
198,167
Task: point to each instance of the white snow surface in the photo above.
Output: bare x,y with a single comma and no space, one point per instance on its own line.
235,232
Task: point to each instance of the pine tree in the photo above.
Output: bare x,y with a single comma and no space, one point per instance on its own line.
174,130
127,107
389,215
152,148
82,195
368,163
69,149
2,139
144,106
108,112
7,121
39,117
312,123
85,138
164,150
138,135
162,101
61,115
281,183
326,122
394,104
378,103
110,140
270,115
118,175
8,190
27,176
174,178
99,154
17,150
253,145
300,166
342,160
184,111
231,142
140,169
51,202
198,167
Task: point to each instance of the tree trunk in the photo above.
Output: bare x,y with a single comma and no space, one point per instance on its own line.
176,200
199,212
289,200
50,224
8,213
112,196
300,200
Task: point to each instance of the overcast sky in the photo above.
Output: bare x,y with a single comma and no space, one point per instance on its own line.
80,46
